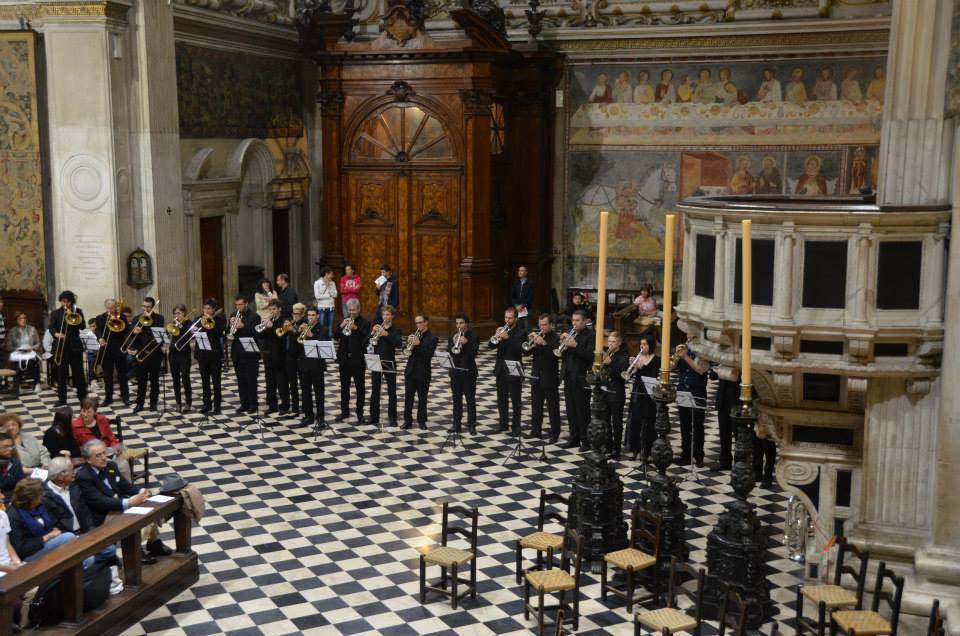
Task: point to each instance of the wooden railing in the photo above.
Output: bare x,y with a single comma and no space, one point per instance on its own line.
145,589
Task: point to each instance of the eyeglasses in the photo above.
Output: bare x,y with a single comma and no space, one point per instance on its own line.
100,454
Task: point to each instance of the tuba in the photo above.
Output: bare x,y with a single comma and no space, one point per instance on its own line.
529,344
563,347
457,343
409,347
499,335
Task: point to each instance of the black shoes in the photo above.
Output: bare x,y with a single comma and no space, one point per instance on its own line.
472,428
107,402
157,549
307,421
423,427
554,439
406,426
340,418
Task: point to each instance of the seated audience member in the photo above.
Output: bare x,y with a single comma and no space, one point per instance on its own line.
9,559
646,304
106,491
11,470
33,531
59,440
24,337
578,302
93,425
91,356
65,504
30,451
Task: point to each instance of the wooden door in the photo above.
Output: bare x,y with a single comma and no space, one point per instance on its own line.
211,257
434,222
281,242
372,216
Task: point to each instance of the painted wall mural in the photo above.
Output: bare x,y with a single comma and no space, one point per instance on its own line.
21,171
643,136
233,95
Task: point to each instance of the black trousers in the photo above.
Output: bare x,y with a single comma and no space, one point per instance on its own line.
292,370
211,370
376,379
312,388
149,371
764,458
552,397
615,422
464,385
73,363
247,368
420,388
578,408
275,370
352,370
180,372
643,418
508,395
691,429
115,361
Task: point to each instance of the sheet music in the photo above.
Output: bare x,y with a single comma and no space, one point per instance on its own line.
374,364
691,401
160,335
90,342
381,279
650,384
514,368
203,342
249,345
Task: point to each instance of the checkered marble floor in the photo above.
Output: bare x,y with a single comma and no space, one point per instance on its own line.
319,536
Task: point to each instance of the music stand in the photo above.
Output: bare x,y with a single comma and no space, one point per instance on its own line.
203,344
320,350
651,385
162,338
376,364
687,399
515,370
250,346
445,360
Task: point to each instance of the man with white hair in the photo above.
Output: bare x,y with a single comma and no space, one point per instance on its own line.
352,335
63,498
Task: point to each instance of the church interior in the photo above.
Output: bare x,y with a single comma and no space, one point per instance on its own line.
659,292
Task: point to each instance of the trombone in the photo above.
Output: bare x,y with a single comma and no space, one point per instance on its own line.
190,333
174,328
143,320
145,352
73,319
113,324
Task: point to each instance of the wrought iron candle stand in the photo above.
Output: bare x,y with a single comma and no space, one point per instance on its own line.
596,500
661,495
736,547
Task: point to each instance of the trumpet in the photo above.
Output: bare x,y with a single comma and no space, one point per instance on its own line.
529,345
283,329
347,326
563,345
677,354
499,335
409,346
233,327
263,326
457,343
174,328
375,334
632,369
306,332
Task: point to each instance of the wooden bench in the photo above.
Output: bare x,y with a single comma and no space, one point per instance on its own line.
145,589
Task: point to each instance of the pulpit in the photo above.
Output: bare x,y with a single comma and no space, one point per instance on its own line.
437,160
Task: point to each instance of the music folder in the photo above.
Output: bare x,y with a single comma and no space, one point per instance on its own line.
319,349
445,360
375,364
203,342
249,345
650,384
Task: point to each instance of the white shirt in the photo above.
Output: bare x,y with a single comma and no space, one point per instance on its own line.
324,291
64,494
4,531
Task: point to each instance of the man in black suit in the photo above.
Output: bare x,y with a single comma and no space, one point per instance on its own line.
105,491
350,358
63,499
246,364
148,364
312,388
113,357
417,374
521,296
274,359
510,347
211,361
546,368
577,359
68,337
463,379
389,339
286,294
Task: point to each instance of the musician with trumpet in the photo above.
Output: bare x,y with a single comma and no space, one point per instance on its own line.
312,369
508,341
65,325
417,374
273,350
112,330
616,360
693,378
180,359
463,347
146,353
352,335
576,350
246,364
293,356
643,410
211,362
546,368
385,338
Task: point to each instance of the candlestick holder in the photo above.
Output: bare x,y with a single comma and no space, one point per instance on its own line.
534,21
596,500
737,546
661,495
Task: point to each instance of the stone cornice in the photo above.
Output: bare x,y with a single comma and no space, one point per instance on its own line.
66,9
211,29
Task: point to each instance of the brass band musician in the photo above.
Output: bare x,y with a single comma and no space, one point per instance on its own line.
211,362
273,350
246,364
293,353
693,378
577,358
508,342
389,338
546,368
312,370
180,360
352,335
616,359
463,346
417,374
68,349
147,353
114,358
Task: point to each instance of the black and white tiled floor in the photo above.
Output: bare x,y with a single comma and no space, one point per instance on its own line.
319,536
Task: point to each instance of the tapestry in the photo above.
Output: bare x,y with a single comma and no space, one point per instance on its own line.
642,137
236,95
21,172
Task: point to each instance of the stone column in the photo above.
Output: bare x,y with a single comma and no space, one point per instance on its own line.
862,283
784,302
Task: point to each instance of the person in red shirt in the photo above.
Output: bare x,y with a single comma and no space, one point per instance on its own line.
350,284
92,425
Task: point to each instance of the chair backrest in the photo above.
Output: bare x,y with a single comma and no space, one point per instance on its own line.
935,628
468,532
573,537
678,571
645,530
859,573
547,510
890,598
734,612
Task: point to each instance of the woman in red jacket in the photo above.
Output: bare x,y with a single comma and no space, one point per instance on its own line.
92,425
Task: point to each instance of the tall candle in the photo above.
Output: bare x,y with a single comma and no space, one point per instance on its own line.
667,297
746,331
602,279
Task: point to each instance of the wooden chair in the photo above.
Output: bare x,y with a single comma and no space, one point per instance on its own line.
645,532
670,620
557,580
451,558
870,622
540,540
834,597
134,454
936,628
737,619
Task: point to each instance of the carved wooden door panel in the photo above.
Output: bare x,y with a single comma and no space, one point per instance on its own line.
434,223
373,220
